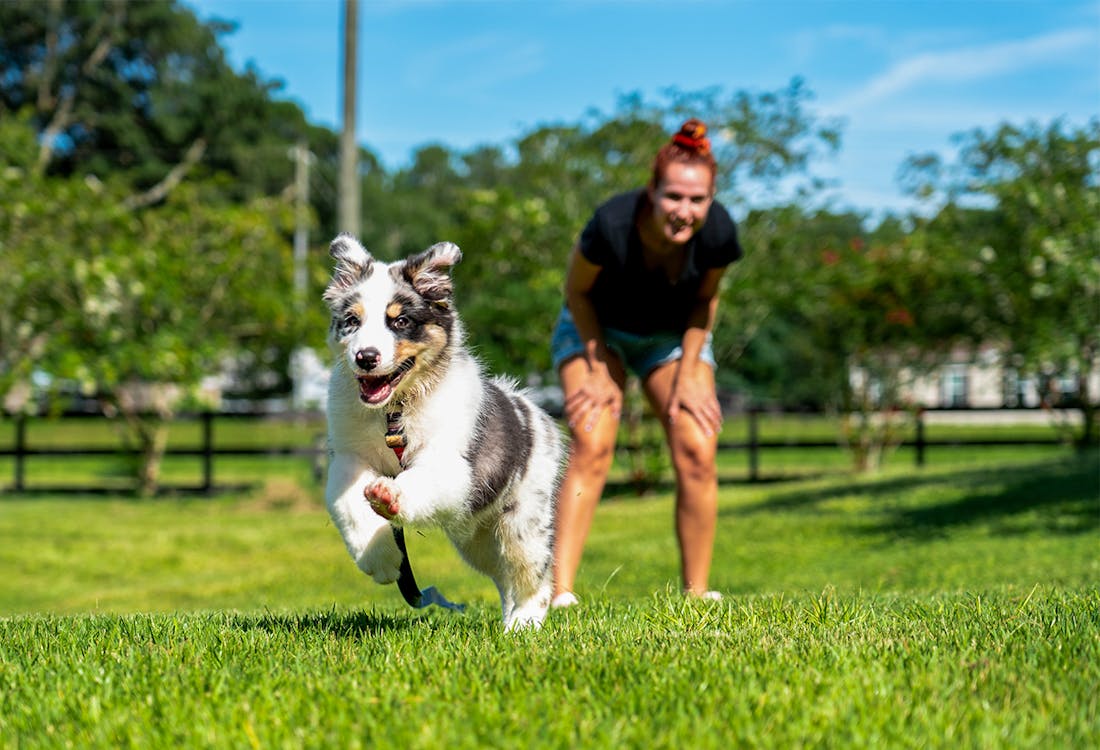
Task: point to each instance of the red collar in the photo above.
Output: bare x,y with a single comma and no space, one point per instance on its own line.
395,435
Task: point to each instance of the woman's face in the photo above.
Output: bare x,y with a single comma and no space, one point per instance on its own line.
681,201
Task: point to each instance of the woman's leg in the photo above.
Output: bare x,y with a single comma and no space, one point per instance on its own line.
693,459
590,456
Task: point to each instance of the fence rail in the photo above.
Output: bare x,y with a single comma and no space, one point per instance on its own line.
208,450
920,443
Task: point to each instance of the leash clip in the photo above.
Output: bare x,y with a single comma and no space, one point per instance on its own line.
406,582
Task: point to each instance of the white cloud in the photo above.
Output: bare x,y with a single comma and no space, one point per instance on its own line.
964,65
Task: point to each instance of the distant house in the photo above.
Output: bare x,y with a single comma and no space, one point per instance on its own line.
978,380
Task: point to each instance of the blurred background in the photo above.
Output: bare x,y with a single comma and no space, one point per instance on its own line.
917,186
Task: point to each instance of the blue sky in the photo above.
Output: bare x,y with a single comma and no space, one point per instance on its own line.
905,75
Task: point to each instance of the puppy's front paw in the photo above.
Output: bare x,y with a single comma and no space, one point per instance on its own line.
383,496
381,560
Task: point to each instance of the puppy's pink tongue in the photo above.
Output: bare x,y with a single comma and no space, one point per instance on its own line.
374,390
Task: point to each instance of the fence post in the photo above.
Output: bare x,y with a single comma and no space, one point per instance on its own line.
207,451
754,446
920,438
20,451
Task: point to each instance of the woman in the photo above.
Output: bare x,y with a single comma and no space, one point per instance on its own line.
641,294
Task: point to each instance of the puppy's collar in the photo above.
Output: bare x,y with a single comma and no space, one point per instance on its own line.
395,435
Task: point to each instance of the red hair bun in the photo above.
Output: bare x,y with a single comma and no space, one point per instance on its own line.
693,136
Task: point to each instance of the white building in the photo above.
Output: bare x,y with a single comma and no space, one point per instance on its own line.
980,381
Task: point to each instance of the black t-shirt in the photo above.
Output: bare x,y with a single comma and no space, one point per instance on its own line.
626,295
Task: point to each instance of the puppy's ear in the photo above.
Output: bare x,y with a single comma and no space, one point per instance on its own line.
428,272
353,263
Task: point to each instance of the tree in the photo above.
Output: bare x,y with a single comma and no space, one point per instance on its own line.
849,319
892,311
26,278
415,208
770,332
1020,206
518,218
135,306
519,222
143,93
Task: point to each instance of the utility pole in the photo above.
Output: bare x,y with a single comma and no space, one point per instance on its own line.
302,160
348,214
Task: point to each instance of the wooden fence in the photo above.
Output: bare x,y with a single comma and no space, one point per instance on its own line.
920,443
208,450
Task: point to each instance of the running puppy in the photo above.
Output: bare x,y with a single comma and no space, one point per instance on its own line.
418,435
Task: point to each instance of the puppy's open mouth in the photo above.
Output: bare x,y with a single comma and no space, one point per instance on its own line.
375,389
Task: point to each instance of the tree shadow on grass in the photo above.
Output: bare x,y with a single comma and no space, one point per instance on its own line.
1066,492
625,489
1059,498
809,499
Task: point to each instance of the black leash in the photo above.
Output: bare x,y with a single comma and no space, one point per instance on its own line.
406,581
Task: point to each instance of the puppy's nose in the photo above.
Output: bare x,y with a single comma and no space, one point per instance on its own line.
368,359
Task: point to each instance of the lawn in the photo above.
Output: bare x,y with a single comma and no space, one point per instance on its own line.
954,606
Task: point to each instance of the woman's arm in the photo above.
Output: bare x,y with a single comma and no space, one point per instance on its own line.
599,391
694,390
579,280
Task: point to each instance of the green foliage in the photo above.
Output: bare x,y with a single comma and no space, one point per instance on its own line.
135,90
124,302
157,295
772,304
1021,220
823,313
517,221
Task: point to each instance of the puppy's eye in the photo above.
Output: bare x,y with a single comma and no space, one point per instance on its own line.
351,321
401,323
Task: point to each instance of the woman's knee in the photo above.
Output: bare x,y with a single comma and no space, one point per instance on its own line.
593,450
694,455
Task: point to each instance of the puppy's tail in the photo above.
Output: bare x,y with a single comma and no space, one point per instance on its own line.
406,582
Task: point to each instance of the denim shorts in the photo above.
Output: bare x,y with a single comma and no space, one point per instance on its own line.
640,353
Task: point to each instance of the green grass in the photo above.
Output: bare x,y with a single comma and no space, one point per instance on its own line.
957,606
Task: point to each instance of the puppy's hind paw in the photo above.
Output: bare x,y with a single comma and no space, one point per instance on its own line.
383,497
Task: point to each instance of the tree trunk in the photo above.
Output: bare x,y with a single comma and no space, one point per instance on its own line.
146,409
153,441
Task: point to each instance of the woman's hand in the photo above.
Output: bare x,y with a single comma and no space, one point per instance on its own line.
598,392
694,393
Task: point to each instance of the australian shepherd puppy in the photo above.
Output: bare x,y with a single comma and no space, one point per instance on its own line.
417,435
